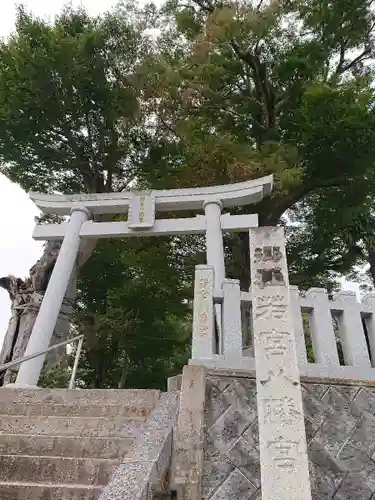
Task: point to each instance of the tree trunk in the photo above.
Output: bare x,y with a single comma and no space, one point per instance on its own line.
26,297
124,372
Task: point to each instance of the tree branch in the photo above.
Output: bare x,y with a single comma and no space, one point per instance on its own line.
279,105
205,5
111,159
12,285
168,127
272,216
341,60
123,186
265,92
364,55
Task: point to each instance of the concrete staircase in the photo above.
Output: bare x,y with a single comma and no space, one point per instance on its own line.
65,444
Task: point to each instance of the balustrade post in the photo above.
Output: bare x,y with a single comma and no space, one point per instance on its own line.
203,346
299,334
369,300
351,331
232,327
322,333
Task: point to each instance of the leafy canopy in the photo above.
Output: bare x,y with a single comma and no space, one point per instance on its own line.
269,87
69,105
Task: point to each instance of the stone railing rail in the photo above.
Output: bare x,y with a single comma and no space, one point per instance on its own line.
143,471
353,329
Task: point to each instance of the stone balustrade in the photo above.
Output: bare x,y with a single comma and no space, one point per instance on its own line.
335,338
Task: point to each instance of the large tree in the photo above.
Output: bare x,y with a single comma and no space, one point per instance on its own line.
73,120
250,88
70,121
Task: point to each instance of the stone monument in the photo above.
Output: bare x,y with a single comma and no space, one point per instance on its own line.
282,437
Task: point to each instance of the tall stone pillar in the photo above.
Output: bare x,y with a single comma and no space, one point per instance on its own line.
215,254
282,438
214,239
29,372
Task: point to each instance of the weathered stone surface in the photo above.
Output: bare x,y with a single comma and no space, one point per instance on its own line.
236,485
340,430
174,383
188,446
231,439
66,444
91,397
203,345
217,468
245,454
318,389
240,411
58,470
71,426
74,410
282,436
144,469
31,491
130,481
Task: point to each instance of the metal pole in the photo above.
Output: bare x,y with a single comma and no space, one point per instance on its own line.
19,361
75,366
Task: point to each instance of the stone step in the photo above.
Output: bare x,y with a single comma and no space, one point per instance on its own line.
85,397
33,491
74,410
61,470
71,426
84,447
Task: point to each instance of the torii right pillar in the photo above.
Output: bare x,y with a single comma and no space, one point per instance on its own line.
282,437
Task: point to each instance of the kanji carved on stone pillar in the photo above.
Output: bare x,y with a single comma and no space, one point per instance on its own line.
282,440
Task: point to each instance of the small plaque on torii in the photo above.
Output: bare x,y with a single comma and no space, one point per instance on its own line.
141,210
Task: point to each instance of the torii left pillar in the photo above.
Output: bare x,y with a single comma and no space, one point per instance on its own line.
40,338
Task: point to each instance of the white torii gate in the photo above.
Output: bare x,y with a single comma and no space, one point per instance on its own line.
141,208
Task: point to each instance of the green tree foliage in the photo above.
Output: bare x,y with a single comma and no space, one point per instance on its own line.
134,312
335,237
284,87
72,121
70,117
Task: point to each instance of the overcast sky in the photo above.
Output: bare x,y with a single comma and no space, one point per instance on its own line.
18,251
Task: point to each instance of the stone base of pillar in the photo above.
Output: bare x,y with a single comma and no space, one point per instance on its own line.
20,386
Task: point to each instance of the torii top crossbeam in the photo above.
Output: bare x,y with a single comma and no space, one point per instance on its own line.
230,195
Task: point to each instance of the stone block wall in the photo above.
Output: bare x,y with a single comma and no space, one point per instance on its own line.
340,430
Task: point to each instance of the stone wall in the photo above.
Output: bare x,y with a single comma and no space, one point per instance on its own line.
340,429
